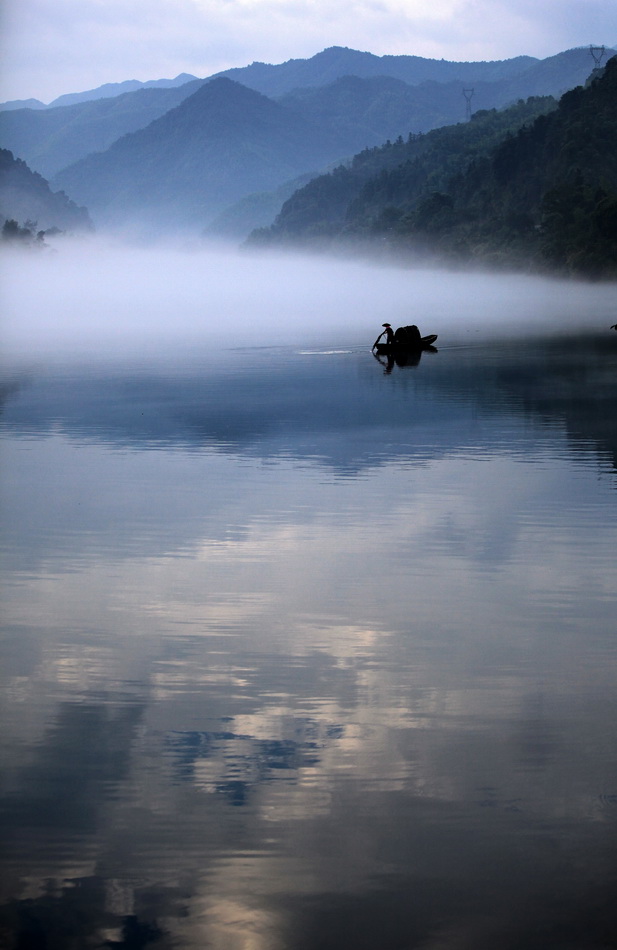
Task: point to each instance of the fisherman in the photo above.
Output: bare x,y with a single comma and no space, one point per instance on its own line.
388,333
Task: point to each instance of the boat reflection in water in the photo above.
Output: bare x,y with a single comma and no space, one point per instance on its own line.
298,655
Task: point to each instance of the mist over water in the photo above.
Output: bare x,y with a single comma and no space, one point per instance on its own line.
299,648
98,298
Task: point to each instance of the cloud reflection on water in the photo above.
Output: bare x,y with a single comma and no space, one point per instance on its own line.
297,651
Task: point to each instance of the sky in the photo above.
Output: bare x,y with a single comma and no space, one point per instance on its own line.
52,47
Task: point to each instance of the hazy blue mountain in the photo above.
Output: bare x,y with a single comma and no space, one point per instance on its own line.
220,144
533,185
51,139
367,109
26,197
108,91
346,97
554,75
256,210
337,61
382,107
362,112
404,172
13,104
195,181
111,89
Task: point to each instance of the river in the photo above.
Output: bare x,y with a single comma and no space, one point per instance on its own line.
299,648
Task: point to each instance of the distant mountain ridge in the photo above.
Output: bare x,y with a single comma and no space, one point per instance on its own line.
337,61
509,188
51,138
12,104
357,198
175,155
107,91
234,141
111,89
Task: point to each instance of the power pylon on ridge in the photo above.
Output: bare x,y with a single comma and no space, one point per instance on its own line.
468,93
597,54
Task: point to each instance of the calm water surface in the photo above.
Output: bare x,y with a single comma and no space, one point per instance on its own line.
302,653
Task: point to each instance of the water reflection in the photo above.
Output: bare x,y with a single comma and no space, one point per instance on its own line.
299,654
273,402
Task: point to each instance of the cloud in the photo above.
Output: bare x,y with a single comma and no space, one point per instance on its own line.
55,46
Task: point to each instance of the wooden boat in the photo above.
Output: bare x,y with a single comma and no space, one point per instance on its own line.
392,349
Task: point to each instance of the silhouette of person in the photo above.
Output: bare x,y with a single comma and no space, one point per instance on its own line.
388,333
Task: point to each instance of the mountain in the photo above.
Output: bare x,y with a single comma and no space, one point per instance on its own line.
107,91
337,61
351,197
333,121
220,144
367,111
112,89
256,210
511,187
22,104
344,97
26,197
554,75
370,110
549,194
360,112
371,98
50,139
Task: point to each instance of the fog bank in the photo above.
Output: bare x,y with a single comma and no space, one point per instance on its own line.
95,298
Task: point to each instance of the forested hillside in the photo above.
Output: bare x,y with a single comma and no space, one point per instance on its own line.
50,139
530,186
222,143
27,200
361,98
220,156
337,61
398,174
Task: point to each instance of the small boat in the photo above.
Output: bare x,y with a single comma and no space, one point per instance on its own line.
392,349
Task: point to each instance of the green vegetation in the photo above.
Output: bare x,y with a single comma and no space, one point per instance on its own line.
26,196
50,139
222,143
223,156
338,61
13,233
382,184
166,158
534,185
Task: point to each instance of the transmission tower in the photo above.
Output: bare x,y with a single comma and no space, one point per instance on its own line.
597,53
468,93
